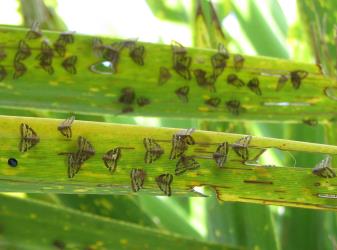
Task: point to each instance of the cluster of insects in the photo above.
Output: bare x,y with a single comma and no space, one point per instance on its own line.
128,98
112,52
180,142
45,56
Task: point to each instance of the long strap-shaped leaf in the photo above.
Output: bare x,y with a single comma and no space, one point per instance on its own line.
146,81
46,166
45,226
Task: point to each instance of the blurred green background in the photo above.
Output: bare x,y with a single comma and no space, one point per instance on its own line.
274,28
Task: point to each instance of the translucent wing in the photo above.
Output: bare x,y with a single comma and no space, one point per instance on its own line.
324,169
29,138
177,48
60,47
34,31
111,158
137,179
241,147
97,47
69,64
164,183
220,155
65,127
67,37
186,163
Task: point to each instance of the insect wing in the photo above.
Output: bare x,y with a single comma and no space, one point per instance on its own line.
254,85
20,69
238,62
324,169
233,79
69,64
186,163
220,155
137,55
111,158
137,179
164,183
281,82
241,147
213,102
296,77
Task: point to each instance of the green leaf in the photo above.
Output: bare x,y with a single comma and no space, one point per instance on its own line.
88,92
28,224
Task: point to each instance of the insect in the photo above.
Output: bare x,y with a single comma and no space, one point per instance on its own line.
67,37
182,93
281,82
111,158
164,182
74,163
46,57
296,77
65,127
186,163
97,47
142,101
153,150
58,244
241,147
324,169
28,139
69,64
137,176
254,85
129,43
219,60
85,149
178,49
127,95
238,62
220,154
310,122
181,65
34,31
234,107
164,75
180,142
205,81
214,102
111,53
23,52
3,72
235,80
20,69
137,54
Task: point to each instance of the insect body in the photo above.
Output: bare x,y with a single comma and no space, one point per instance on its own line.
23,52
69,64
220,155
164,75
205,81
219,60
137,54
214,102
34,31
241,147
180,142
65,127
137,176
324,169
29,138
153,150
296,77
234,80
164,182
186,163
182,93
254,85
234,107
111,158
